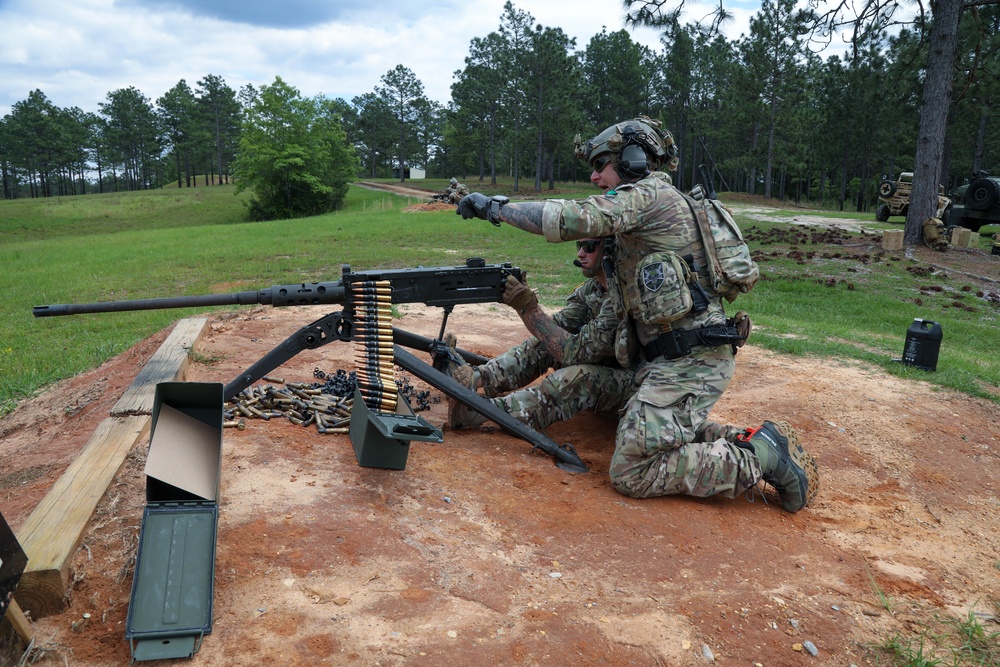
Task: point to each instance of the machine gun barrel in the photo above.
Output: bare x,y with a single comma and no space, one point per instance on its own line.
279,295
444,286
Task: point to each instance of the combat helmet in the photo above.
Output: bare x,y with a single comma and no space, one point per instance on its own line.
637,146
454,181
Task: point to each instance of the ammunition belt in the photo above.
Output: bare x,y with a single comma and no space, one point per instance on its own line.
677,344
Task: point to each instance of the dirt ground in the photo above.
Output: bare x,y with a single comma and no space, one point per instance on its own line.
483,552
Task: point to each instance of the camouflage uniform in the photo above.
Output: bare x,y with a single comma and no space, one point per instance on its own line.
588,379
524,363
456,192
664,443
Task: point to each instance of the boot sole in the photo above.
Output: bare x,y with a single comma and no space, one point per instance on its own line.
801,458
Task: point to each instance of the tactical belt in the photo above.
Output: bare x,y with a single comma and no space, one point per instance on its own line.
677,344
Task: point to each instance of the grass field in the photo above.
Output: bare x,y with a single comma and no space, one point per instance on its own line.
178,242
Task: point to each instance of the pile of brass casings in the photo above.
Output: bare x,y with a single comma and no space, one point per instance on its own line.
299,403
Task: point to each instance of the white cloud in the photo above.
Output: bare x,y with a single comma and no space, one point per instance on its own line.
77,51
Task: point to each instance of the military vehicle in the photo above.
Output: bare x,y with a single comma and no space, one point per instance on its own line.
894,197
977,203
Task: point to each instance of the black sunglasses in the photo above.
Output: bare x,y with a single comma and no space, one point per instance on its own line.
588,246
601,162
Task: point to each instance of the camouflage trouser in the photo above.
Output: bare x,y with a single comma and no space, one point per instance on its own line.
567,391
665,445
517,367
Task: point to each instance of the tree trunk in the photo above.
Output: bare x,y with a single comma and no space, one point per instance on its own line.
933,118
771,131
977,160
493,143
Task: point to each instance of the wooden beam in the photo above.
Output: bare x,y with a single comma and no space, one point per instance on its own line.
167,365
54,530
16,619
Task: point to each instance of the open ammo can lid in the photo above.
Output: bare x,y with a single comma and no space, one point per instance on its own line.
170,609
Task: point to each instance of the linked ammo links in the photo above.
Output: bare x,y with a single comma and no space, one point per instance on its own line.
677,344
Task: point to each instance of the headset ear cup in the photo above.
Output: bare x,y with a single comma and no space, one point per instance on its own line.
633,161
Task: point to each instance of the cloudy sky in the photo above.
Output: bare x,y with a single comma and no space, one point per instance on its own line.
76,51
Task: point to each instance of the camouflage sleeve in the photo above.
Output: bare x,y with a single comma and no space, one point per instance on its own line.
577,311
595,343
615,212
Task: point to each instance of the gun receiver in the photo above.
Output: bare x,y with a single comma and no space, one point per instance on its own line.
444,287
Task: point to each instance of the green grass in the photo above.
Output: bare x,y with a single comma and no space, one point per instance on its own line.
142,260
850,300
85,215
192,241
941,641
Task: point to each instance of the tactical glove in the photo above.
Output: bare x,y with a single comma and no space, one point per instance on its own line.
476,205
518,295
741,321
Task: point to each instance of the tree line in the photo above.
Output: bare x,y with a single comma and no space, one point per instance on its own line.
765,111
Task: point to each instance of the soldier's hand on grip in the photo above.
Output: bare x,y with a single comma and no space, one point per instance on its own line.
518,295
477,205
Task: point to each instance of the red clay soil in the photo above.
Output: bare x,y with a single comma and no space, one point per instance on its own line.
483,552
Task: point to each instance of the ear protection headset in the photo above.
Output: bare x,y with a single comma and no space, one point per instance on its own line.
632,161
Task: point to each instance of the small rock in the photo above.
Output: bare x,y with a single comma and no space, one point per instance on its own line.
797,647
794,622
811,648
555,575
452,634
707,652
447,499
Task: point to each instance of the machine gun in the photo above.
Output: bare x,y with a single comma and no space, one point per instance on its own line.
444,287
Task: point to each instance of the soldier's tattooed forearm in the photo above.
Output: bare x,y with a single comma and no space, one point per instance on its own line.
524,215
548,333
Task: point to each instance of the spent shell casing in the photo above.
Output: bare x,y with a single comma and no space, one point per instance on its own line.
256,411
275,380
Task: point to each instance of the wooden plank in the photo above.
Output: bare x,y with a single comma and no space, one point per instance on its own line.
51,534
167,365
15,617
53,531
